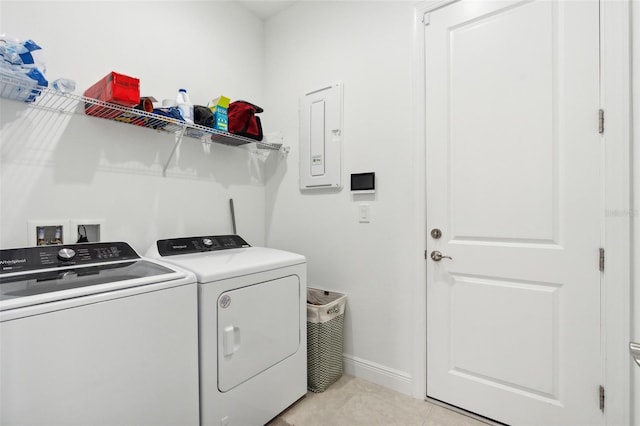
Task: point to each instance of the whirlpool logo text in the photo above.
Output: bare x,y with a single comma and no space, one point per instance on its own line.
12,262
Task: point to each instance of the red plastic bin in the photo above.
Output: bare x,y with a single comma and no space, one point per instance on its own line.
113,88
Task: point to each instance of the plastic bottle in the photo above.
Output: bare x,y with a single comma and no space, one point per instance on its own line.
185,105
64,85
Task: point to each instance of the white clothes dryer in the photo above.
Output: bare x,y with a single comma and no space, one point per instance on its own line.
92,334
252,326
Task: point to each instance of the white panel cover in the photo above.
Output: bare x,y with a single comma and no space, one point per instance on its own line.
258,326
321,138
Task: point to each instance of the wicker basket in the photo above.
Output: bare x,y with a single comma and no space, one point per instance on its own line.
325,330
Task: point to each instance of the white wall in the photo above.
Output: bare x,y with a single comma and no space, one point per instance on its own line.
368,46
55,166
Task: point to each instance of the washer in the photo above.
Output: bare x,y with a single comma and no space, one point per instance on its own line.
92,334
252,326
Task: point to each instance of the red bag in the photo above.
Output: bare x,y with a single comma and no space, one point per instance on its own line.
243,120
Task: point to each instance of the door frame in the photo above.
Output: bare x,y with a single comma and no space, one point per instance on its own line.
615,100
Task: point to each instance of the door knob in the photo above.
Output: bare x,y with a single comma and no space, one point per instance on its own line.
437,256
634,348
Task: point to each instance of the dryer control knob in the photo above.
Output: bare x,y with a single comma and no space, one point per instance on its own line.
66,254
207,242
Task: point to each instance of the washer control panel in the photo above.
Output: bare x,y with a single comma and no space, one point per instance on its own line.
175,246
43,257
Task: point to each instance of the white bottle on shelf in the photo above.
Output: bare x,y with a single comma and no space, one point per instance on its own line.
185,105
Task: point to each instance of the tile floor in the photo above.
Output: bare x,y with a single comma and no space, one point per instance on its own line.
356,402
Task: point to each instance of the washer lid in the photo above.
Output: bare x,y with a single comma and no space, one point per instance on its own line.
36,275
35,283
219,265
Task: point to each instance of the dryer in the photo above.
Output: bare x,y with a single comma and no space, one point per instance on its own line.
252,326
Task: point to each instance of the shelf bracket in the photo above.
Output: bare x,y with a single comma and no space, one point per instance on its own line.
179,135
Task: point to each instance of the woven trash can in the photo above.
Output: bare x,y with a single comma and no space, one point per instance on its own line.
325,330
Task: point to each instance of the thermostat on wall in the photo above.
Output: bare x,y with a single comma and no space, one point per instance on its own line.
363,182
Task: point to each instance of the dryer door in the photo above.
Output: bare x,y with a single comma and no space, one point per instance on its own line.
258,326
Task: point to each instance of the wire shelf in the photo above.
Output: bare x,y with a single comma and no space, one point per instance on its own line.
16,88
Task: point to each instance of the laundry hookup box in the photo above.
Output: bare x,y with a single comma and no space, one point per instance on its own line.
114,88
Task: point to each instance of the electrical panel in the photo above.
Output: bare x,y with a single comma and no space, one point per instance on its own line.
321,133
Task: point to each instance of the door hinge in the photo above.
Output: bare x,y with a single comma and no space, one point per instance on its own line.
601,261
425,254
601,391
601,121
426,19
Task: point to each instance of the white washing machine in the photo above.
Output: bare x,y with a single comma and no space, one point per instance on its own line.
92,334
252,322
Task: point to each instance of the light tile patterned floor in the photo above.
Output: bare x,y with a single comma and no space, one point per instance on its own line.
355,402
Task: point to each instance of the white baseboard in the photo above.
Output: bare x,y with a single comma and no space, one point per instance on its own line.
379,374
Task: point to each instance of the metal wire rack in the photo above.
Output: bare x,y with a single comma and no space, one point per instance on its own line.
16,88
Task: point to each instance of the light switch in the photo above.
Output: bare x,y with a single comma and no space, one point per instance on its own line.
363,213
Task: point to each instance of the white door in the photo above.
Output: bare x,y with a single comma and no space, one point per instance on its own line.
514,185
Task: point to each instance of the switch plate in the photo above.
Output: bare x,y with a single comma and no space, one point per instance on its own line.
364,213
